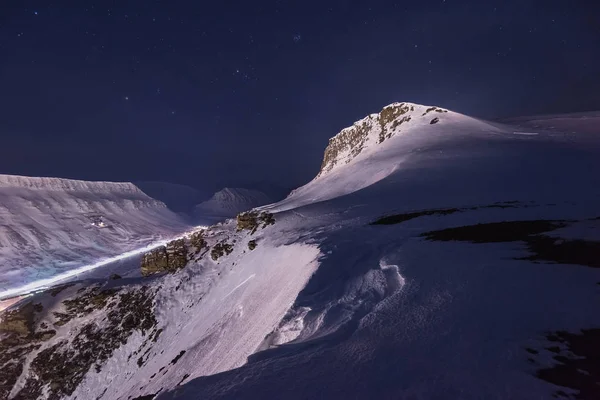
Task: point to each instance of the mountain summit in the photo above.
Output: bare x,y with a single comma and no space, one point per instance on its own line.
228,202
365,135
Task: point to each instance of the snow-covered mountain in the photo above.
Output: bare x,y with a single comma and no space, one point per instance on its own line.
434,256
51,225
179,198
229,202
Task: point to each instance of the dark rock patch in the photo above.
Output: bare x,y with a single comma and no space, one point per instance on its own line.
543,247
169,258
174,361
561,251
59,369
94,299
155,261
197,240
253,220
145,397
389,115
221,249
495,232
578,363
399,218
434,121
18,339
183,379
115,277
252,244
430,109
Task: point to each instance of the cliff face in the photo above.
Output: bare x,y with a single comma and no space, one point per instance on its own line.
375,129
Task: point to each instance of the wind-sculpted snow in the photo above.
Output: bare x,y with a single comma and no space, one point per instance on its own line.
448,260
49,226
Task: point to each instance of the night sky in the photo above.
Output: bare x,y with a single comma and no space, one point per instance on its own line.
236,92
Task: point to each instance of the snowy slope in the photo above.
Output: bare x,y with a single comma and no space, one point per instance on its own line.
450,260
229,202
51,225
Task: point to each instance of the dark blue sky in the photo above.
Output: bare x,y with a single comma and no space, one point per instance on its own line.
232,92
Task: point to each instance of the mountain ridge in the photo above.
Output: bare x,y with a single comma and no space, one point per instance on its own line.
423,266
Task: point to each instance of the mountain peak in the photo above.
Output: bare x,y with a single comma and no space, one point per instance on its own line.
375,129
230,201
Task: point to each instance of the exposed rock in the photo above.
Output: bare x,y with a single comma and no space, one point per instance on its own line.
389,115
93,300
197,240
20,321
430,109
155,261
169,258
252,221
221,249
372,130
115,277
59,369
177,253
252,244
351,140
577,363
435,121
18,338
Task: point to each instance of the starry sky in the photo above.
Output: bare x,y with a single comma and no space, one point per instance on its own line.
231,93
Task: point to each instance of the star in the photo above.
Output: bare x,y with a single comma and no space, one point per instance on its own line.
126,97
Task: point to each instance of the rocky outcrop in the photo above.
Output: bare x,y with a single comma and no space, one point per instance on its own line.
155,261
176,254
18,338
221,249
57,370
198,241
370,131
252,220
169,258
78,307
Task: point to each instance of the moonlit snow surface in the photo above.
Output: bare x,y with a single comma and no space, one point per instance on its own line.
332,305
51,226
61,278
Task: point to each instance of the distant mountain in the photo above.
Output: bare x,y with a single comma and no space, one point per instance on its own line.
179,198
51,225
229,202
435,256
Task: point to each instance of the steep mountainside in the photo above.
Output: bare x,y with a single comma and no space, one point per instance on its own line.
229,202
51,225
455,259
